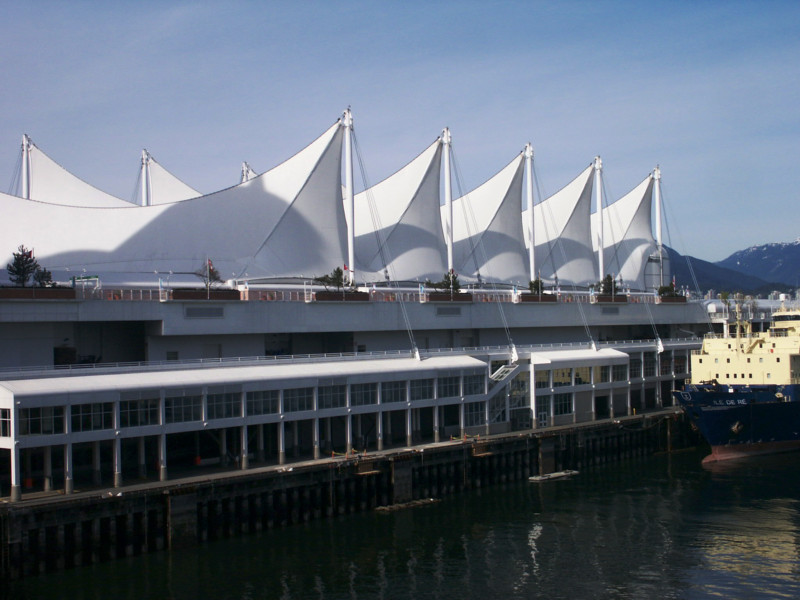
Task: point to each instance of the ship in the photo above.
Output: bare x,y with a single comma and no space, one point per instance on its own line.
744,391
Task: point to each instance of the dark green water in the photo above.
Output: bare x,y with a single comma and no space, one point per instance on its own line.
662,527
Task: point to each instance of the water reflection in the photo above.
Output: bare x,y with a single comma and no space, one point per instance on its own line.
663,527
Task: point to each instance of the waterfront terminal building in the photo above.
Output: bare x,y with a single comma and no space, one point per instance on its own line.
140,365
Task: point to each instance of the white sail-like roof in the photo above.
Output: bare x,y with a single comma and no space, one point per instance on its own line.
287,222
562,233
165,187
52,183
627,234
398,221
487,229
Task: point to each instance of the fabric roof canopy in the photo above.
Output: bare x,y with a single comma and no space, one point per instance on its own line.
165,187
487,229
398,223
562,234
627,235
287,222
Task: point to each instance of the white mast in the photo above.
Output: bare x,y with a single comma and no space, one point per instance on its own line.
657,177
448,198
26,166
145,178
529,198
347,122
247,173
598,186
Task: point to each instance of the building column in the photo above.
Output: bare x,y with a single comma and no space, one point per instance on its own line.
532,392
245,449
117,462
142,463
316,438
409,426
628,399
260,455
223,447
68,482
462,429
328,434
281,443
48,468
16,476
97,477
379,427
162,457
349,433
436,435
487,416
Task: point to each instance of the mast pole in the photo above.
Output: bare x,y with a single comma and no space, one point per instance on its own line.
145,178
347,122
529,199
26,166
448,198
657,177
598,185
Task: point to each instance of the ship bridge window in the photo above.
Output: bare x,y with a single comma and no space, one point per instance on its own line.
778,359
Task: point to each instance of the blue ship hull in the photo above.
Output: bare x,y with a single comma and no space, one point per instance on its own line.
739,421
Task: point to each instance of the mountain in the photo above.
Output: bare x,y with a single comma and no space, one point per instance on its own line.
778,262
715,276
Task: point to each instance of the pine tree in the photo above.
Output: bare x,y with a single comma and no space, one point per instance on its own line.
22,267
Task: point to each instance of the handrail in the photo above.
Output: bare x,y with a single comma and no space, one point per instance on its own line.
8,373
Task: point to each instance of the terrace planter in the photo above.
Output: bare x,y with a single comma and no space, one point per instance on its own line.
197,294
328,296
37,293
448,297
538,298
609,299
671,300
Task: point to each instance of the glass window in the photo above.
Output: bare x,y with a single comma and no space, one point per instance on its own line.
448,387
92,417
135,413
562,404
649,364
393,391
363,393
46,420
562,377
262,402
224,405
474,384
636,367
421,389
179,409
474,414
332,396
5,422
543,379
583,375
619,373
298,399
602,374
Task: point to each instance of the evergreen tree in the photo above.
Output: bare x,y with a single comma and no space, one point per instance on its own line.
43,277
209,274
22,267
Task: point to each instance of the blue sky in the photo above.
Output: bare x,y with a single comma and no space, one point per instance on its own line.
708,90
